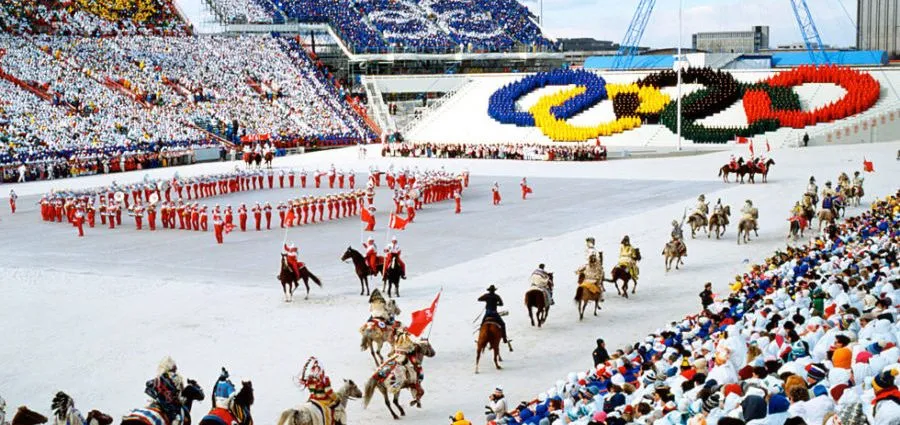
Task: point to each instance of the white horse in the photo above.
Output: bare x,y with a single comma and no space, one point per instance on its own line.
312,413
374,337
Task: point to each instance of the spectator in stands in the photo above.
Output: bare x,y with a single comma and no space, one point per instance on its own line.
600,355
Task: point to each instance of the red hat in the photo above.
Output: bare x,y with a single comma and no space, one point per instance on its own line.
732,388
746,372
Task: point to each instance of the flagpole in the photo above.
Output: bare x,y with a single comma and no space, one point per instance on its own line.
434,316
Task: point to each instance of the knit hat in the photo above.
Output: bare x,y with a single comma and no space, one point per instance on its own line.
863,357
852,414
816,372
711,402
732,388
745,373
837,391
778,404
884,381
599,416
841,358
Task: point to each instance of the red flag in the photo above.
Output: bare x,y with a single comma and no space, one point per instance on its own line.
422,318
397,222
741,140
289,217
868,166
365,216
228,228
768,148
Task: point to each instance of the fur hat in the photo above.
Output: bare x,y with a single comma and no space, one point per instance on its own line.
816,372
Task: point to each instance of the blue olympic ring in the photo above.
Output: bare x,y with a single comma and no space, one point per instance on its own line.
502,104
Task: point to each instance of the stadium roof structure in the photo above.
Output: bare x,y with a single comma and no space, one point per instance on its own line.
775,60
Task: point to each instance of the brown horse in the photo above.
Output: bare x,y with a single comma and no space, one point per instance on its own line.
290,281
584,296
697,221
96,417
620,272
490,333
268,159
745,226
673,252
26,416
537,298
719,220
764,171
362,269
796,230
855,195
741,171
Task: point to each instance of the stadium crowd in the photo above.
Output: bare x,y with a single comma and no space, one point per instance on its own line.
241,11
810,336
519,151
88,99
425,26
90,18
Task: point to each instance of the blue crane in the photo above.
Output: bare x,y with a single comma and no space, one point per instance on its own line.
809,32
629,47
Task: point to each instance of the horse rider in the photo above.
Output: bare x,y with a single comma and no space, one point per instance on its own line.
797,214
761,164
371,255
719,209
627,257
541,279
857,180
678,236
812,190
748,212
380,309
593,275
702,206
733,163
589,250
843,180
827,191
222,390
393,250
404,354
318,384
165,390
491,301
290,252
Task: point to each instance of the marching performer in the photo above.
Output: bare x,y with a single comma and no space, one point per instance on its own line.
458,199
257,216
268,211
242,217
495,192
218,225
13,197
525,189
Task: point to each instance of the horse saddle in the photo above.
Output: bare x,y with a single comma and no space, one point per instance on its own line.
801,220
680,247
544,291
148,416
592,287
219,416
379,323
325,409
490,319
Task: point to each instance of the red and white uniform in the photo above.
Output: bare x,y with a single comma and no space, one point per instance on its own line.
218,226
371,254
268,211
257,216
12,201
290,252
525,189
393,250
458,199
495,191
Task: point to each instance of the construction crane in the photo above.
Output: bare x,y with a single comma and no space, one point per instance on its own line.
809,32
628,49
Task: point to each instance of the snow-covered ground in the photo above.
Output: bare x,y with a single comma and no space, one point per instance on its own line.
94,316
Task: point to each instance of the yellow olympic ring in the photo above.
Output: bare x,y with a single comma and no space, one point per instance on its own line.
652,101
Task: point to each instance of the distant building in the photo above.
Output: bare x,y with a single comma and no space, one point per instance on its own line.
733,41
586,45
877,22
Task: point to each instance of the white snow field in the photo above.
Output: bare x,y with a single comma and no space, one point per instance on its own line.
93,316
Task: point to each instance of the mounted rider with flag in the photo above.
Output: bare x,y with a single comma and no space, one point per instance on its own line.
371,255
393,251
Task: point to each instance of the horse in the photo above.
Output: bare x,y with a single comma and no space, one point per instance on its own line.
765,170
856,194
392,277
64,412
393,377
726,169
268,159
796,230
26,416
154,416
717,220
584,296
697,221
536,298
237,412
838,206
362,269
826,215
745,226
673,252
96,417
314,413
374,337
620,272
489,334
290,282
